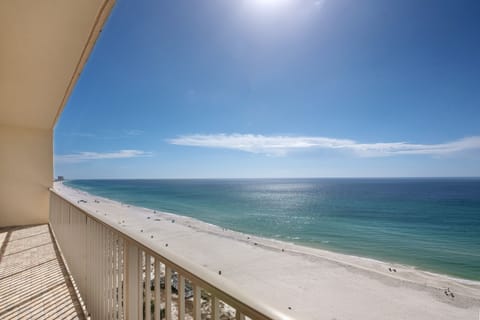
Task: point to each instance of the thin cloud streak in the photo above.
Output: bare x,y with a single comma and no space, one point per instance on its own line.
134,132
282,145
89,156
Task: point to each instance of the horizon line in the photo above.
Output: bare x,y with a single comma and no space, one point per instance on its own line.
272,178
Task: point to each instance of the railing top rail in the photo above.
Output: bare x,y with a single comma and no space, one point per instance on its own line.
208,280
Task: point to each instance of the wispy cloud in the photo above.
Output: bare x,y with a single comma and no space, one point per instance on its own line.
79,134
281,145
88,156
106,135
134,132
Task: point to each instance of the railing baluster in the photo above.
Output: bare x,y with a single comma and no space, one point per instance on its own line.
90,272
132,271
115,277
86,291
110,271
111,275
158,302
82,219
148,293
96,271
197,302
90,266
101,255
239,315
104,274
181,296
114,289
121,278
215,307
140,284
93,270
168,293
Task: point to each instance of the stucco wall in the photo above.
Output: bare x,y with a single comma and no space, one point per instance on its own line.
26,173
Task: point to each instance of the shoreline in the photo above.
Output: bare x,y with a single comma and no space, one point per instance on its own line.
311,267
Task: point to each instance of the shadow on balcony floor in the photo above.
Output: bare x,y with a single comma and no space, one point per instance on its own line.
33,280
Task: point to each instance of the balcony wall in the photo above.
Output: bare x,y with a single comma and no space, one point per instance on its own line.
44,47
25,175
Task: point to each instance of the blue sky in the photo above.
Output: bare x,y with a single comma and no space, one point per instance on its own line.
277,88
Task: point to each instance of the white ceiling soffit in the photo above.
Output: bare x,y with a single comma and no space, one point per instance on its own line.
43,48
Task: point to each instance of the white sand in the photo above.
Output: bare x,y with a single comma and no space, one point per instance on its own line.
316,284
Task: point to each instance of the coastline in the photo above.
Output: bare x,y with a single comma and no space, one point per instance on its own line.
305,278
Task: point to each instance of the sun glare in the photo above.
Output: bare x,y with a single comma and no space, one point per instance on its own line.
269,3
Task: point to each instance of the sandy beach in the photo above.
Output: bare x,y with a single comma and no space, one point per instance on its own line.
306,283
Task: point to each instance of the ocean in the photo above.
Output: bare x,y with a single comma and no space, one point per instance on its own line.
432,224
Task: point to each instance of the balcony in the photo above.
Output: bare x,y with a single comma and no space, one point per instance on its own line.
79,267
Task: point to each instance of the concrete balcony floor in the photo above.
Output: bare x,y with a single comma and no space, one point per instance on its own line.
34,283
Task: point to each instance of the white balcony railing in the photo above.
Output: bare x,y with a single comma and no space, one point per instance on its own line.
111,267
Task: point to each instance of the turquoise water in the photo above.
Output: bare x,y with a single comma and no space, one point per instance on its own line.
433,224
